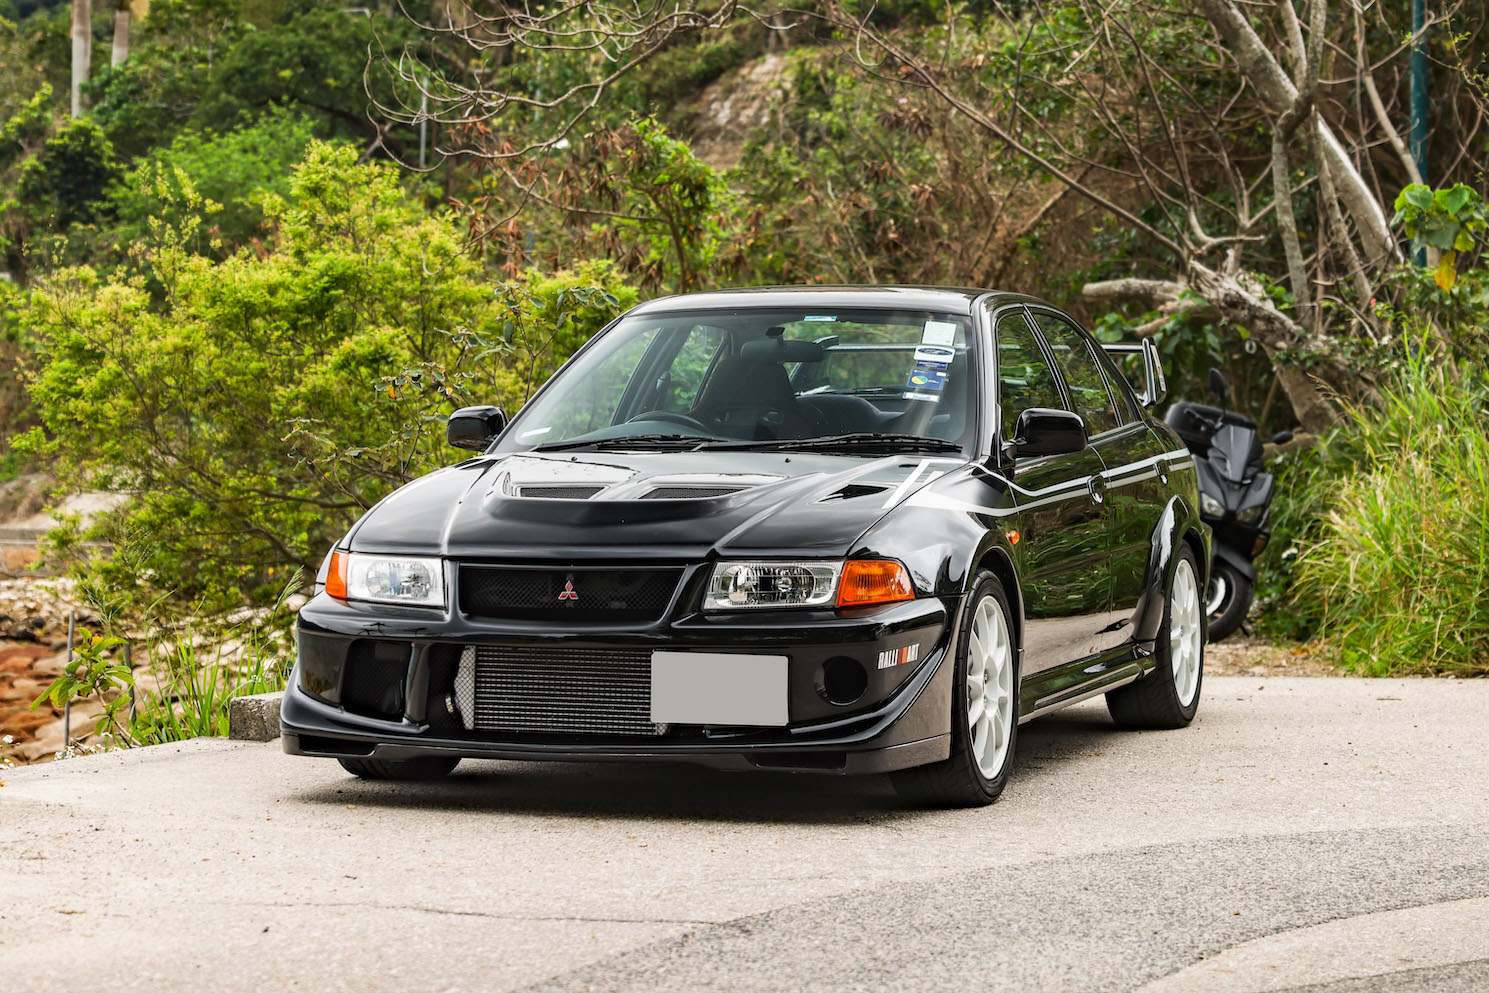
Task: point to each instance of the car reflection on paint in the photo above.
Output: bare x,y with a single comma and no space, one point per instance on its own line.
826,530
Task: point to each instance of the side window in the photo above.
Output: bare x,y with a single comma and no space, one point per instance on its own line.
1083,377
1024,377
680,383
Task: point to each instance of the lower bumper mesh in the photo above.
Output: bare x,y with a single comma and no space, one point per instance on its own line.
554,690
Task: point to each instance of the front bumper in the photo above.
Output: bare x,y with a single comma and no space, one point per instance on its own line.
902,718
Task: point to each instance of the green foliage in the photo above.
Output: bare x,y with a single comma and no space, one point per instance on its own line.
1452,221
227,174
1396,564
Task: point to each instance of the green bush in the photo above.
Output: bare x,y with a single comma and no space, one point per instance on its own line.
1397,565
231,172
252,407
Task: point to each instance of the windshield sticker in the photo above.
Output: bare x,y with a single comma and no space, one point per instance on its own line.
939,333
934,356
819,317
927,377
911,395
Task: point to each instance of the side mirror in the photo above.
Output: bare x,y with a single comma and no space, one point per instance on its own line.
1218,387
475,427
1043,431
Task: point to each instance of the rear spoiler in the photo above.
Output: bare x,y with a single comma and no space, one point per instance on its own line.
1156,387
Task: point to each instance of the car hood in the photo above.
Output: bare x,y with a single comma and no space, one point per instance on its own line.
649,506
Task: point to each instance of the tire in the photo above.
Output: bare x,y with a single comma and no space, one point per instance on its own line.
1168,695
1227,599
983,747
406,770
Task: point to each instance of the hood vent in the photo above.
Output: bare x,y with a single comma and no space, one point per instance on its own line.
853,491
690,492
559,492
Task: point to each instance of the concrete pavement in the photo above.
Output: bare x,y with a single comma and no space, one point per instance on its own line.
1328,835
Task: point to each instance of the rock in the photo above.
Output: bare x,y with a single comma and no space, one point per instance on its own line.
22,633
37,622
254,718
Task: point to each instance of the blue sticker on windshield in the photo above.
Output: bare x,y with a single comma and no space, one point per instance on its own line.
927,377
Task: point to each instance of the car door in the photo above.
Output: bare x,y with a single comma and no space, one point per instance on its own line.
1127,482
1062,530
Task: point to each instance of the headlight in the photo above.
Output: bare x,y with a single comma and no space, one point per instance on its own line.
1251,514
772,584
1209,506
855,583
418,582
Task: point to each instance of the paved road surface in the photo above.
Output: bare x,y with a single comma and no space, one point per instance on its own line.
1305,834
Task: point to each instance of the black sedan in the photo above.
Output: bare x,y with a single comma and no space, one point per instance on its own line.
817,530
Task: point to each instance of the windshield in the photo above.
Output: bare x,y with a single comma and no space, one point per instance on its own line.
822,379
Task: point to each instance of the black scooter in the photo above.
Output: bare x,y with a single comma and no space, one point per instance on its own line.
1234,496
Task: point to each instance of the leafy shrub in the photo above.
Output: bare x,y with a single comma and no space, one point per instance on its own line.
231,173
1397,569
212,392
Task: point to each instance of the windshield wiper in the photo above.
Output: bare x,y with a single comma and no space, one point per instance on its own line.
859,440
674,441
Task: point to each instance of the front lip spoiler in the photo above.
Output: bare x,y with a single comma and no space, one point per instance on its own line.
309,727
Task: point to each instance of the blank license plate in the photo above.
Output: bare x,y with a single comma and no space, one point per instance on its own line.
716,688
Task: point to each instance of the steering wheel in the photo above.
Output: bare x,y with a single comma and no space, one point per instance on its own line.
670,417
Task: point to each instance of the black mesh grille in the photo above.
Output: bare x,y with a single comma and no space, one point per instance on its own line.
561,690
561,492
574,595
375,675
689,492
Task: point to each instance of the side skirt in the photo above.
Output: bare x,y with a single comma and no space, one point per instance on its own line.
1083,679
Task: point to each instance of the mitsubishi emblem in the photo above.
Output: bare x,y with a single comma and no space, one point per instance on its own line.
568,592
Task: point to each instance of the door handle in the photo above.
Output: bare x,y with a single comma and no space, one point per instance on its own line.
1097,486
1162,466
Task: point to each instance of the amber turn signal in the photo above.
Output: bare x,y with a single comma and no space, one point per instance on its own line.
871,581
336,575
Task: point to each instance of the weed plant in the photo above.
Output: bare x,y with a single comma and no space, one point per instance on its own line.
1396,567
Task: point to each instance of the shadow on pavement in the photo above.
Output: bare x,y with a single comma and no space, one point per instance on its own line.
685,792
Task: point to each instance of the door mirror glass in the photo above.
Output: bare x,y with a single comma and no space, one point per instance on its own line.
1045,431
475,427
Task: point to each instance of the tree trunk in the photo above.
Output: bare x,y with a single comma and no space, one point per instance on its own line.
1261,68
121,33
82,50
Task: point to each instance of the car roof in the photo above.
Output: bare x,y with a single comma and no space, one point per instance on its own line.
941,299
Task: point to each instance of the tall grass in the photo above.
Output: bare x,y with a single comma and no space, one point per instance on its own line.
1397,569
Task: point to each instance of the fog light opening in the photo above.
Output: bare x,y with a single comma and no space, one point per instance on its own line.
843,681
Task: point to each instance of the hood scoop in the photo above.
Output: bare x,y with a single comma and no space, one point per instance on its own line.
558,492
689,492
853,491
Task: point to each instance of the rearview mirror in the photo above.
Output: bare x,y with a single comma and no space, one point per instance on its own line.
1044,431
475,427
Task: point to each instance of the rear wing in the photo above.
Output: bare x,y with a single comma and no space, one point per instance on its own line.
1155,387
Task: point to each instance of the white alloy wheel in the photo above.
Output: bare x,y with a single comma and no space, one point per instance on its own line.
1185,637
990,697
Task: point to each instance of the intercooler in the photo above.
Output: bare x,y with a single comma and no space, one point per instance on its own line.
554,690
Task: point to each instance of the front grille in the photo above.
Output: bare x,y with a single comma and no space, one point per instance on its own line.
581,596
554,690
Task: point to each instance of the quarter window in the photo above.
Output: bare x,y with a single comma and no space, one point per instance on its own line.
1083,377
1024,377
